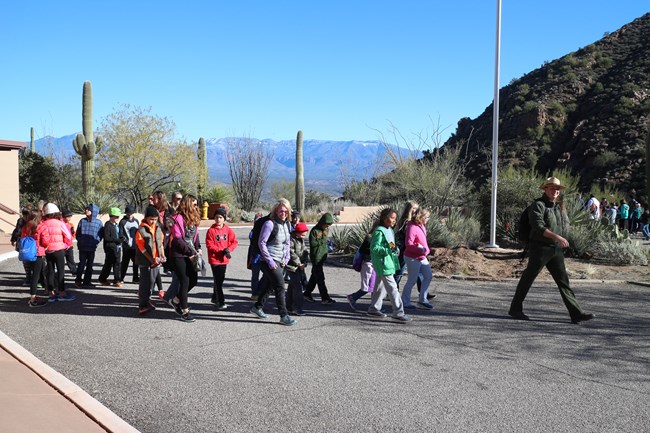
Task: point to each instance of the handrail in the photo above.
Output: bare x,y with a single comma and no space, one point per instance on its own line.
8,222
8,210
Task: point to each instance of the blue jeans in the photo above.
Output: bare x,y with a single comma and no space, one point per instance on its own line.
646,230
415,269
85,268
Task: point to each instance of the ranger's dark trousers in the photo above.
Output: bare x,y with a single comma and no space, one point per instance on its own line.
552,257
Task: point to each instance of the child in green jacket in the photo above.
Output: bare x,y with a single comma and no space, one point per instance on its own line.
383,253
318,254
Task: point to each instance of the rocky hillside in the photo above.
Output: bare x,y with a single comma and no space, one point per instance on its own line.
586,111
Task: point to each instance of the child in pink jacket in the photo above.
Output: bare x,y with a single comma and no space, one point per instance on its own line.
415,256
55,238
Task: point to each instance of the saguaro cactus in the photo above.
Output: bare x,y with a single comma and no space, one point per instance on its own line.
300,175
32,147
202,154
85,144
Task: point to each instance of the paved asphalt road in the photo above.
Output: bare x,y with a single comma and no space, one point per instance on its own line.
465,367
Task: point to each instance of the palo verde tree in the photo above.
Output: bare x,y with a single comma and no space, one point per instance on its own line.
142,154
248,163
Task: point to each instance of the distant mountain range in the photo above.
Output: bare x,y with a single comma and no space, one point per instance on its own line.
324,160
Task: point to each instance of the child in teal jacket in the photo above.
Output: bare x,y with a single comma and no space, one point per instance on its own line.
383,253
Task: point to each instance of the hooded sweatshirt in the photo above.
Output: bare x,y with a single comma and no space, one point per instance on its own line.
318,239
89,230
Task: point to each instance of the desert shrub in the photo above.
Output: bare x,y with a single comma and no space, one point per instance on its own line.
314,198
104,200
465,229
438,235
454,230
342,237
219,194
347,238
618,252
517,189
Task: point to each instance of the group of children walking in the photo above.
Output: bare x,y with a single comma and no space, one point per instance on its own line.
167,241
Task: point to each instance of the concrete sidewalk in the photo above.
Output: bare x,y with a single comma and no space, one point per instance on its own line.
36,398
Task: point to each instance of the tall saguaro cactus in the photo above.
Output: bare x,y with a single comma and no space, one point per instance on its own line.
85,144
32,147
202,154
300,175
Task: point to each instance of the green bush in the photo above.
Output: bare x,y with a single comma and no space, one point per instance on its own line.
104,200
219,194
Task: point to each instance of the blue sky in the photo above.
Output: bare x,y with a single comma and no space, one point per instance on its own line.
338,70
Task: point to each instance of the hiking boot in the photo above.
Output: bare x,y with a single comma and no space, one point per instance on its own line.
402,319
287,321
518,315
308,297
425,306
328,301
582,318
259,312
37,302
104,283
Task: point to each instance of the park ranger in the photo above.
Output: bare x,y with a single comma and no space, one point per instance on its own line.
546,248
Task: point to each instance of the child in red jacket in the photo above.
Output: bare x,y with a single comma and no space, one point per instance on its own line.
220,241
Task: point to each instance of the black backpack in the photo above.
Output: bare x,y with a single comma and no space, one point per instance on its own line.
524,223
253,248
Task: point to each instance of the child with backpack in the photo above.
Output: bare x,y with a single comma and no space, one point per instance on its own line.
32,256
295,267
112,250
220,241
366,271
318,250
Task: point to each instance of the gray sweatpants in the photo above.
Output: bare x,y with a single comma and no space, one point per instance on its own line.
148,277
386,285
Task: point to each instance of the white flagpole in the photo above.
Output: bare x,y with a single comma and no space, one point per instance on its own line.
495,133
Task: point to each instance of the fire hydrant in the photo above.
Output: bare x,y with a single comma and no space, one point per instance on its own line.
204,211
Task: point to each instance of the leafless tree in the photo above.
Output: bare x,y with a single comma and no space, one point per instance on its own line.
248,162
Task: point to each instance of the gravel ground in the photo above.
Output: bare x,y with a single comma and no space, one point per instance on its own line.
465,367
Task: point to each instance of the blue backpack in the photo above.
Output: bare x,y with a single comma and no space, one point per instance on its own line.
27,251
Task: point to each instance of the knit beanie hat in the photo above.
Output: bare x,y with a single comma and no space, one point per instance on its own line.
221,211
151,211
129,209
66,213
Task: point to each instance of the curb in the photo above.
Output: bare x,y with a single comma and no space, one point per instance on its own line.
77,396
9,255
